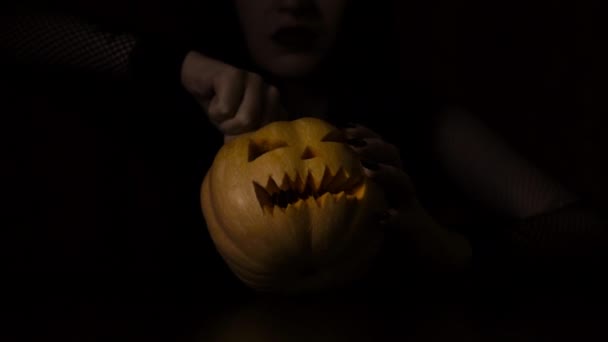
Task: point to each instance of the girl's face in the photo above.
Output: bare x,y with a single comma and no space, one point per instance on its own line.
290,38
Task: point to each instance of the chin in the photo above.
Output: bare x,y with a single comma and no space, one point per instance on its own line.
294,66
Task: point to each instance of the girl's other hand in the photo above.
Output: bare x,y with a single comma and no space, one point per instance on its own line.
236,101
435,246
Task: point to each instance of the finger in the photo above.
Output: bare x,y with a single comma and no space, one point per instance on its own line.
377,150
229,92
356,131
397,185
249,114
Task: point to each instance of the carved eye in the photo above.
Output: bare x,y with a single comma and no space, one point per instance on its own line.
260,147
335,136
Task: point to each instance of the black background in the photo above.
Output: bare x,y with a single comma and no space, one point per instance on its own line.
533,70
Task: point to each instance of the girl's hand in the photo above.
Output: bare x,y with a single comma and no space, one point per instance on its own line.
435,246
382,162
236,101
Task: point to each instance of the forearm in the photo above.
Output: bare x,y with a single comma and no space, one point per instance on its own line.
481,163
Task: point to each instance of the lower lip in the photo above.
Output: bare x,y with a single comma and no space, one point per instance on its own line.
300,40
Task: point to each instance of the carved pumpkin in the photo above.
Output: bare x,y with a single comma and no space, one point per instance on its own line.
289,207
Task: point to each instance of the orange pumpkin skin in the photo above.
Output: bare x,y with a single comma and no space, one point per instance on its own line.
289,208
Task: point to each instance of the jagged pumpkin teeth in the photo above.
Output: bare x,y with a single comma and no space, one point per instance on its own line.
327,179
317,177
262,195
322,200
310,201
360,192
352,182
309,186
285,183
298,185
287,198
339,196
298,204
293,191
268,210
271,186
337,182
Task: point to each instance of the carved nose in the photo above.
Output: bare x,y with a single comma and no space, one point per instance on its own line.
307,154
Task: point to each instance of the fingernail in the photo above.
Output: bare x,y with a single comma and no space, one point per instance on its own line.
370,165
356,142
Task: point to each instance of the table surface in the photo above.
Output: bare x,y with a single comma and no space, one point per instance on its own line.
161,308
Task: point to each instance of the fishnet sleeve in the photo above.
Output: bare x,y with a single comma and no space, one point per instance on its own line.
65,42
541,220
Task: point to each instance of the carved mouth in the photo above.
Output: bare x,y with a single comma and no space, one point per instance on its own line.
291,191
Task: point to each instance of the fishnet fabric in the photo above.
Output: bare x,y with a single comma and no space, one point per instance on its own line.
62,41
484,165
542,218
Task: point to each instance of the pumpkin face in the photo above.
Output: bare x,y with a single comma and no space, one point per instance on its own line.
290,209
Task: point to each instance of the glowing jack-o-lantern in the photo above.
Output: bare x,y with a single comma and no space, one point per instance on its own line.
289,207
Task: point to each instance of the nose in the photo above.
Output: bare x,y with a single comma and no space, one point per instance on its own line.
298,7
308,154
